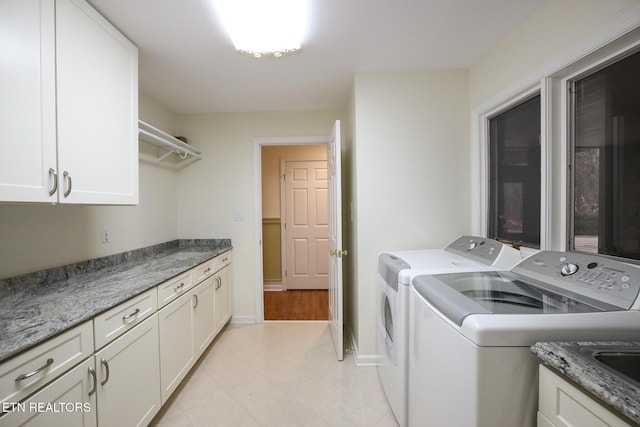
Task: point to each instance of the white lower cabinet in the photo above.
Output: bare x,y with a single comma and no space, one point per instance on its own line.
66,402
204,315
176,343
222,297
127,373
128,360
561,404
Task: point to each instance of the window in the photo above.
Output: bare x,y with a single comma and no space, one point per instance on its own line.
514,174
605,114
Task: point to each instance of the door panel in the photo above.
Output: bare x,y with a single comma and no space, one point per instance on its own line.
306,224
334,162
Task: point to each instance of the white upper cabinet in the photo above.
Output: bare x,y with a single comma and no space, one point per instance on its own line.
69,104
27,100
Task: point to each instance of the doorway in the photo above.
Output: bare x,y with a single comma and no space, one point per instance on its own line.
294,231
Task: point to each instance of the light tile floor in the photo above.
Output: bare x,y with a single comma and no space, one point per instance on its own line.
277,374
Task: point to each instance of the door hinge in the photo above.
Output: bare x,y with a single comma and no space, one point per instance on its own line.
285,273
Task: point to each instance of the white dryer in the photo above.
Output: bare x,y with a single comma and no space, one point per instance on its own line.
395,272
469,359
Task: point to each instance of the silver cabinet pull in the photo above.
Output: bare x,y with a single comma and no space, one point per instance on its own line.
129,316
67,179
195,301
54,178
104,363
92,372
48,363
179,287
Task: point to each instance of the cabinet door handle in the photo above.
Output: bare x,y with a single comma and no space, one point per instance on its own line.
129,316
54,178
92,372
104,363
195,301
21,377
67,179
218,283
179,287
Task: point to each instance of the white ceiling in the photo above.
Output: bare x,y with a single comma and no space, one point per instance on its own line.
188,64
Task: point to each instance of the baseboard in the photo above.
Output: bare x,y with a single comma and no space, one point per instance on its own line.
243,320
272,286
359,359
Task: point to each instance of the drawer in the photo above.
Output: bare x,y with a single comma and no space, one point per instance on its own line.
31,370
172,289
115,322
204,270
223,260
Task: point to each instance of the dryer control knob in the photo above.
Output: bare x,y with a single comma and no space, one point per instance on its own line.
568,269
472,246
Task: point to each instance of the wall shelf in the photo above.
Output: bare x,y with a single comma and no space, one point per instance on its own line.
163,140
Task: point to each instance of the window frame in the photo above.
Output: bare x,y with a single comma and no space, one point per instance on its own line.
513,103
620,36
569,84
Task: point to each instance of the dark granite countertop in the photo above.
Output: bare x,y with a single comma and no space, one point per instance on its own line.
565,357
38,306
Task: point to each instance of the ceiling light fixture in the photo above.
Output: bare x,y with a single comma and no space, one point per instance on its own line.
264,28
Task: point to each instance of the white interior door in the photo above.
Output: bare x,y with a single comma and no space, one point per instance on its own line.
335,240
306,225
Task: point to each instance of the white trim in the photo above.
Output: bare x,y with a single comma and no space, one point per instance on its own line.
243,320
360,359
272,286
480,150
258,142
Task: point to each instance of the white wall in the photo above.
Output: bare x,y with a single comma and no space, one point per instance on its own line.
40,236
210,190
411,158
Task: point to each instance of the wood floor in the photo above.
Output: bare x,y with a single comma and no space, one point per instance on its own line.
296,305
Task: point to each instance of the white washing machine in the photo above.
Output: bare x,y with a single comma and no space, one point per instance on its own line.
395,271
469,357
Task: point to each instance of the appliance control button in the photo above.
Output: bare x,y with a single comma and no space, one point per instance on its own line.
568,269
563,258
592,265
625,278
471,246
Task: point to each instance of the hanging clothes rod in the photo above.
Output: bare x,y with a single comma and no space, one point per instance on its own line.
167,142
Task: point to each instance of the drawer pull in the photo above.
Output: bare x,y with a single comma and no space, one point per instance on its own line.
21,377
106,371
129,316
179,287
92,372
207,270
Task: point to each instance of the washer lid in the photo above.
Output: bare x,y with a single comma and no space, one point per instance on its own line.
459,295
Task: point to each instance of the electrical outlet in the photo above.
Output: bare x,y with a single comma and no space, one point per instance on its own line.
105,234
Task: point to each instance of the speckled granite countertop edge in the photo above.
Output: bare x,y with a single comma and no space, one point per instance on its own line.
564,357
38,306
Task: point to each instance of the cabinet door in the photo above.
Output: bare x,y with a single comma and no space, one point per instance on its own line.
204,322
65,402
128,377
97,107
27,104
176,343
223,297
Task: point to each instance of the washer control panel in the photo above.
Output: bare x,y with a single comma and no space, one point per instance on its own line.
480,249
596,277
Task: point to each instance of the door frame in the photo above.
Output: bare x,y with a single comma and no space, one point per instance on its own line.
258,143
